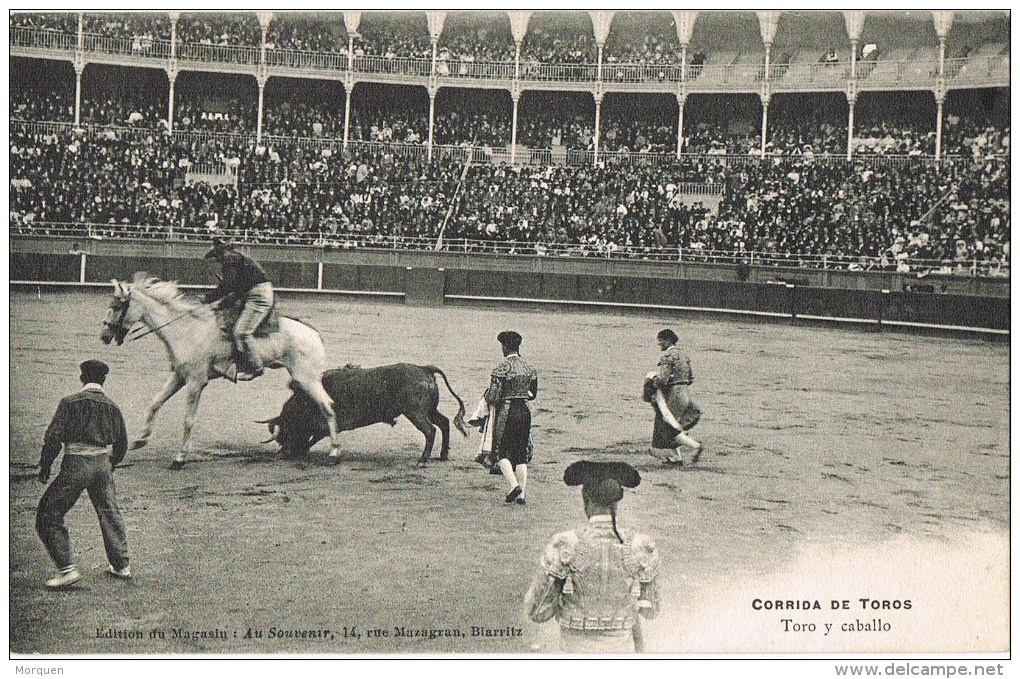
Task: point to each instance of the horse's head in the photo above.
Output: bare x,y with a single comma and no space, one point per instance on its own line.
120,316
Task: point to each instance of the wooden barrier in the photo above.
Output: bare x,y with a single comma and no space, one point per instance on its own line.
429,279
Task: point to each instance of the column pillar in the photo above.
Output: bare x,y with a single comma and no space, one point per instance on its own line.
265,18
348,84
681,100
432,118
598,123
172,71
262,78
515,95
851,100
764,120
348,93
171,74
940,96
79,69
940,100
854,44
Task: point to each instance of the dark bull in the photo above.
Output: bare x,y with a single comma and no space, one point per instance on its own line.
366,396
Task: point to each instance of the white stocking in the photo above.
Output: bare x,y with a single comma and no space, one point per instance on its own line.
663,453
683,438
508,472
522,476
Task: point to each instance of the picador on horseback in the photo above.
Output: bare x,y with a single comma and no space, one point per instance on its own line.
242,279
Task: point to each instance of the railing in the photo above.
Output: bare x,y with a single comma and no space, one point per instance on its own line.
691,189
353,240
793,75
193,136
138,46
715,76
214,174
320,61
87,130
399,149
233,54
34,127
481,70
277,141
581,73
974,71
640,73
899,73
378,65
481,154
41,38
978,69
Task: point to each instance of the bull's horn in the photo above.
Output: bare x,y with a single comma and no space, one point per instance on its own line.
270,420
272,430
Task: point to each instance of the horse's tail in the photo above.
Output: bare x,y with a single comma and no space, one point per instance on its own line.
458,420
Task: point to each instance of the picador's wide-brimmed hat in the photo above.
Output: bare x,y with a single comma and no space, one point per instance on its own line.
219,245
602,481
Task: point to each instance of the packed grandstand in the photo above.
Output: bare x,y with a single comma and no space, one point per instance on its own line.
817,139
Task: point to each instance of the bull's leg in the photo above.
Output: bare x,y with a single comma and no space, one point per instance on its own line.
172,386
312,440
194,393
443,422
424,424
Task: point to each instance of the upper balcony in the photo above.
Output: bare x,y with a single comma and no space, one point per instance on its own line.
722,72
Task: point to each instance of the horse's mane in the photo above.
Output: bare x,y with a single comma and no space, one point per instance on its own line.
167,292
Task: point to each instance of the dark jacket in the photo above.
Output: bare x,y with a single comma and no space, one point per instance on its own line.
240,274
88,416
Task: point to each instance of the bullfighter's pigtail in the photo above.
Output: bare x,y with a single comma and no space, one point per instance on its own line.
618,536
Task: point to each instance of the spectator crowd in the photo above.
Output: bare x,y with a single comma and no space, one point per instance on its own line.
911,216
891,207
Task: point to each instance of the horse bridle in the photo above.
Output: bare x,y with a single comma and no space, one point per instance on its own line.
120,306
120,332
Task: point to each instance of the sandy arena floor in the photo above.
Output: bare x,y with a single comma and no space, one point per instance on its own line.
840,465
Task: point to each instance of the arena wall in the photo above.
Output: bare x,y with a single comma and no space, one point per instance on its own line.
432,278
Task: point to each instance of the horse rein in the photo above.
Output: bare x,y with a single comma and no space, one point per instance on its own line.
152,330
122,306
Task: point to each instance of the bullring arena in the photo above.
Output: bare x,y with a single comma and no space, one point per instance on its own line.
828,454
853,496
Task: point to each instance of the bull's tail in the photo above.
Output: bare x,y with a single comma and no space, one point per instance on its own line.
458,420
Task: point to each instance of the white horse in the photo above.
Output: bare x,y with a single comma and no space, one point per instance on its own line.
198,349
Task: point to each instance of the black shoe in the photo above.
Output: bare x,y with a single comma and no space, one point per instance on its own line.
513,494
483,459
520,501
